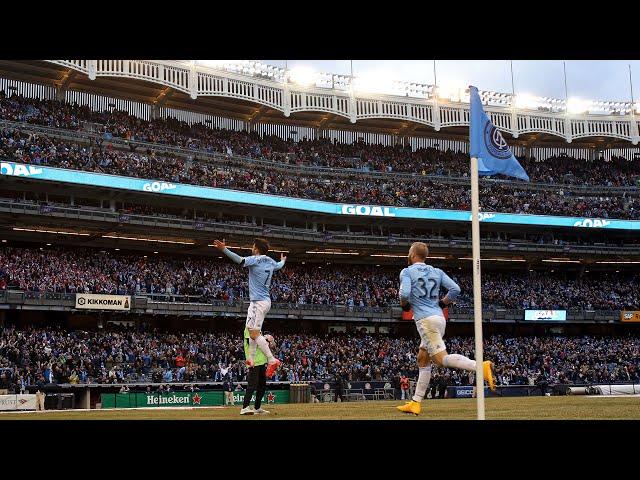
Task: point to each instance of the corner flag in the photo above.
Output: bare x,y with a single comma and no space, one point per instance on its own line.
488,145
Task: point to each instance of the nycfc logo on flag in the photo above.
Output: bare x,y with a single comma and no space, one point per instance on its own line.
495,142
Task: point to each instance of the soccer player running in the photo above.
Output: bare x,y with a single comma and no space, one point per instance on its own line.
261,268
420,289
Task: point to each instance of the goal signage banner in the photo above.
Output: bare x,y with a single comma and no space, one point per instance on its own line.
154,187
545,315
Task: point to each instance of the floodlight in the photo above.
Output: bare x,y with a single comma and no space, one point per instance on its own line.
375,82
526,100
212,63
578,105
303,75
451,91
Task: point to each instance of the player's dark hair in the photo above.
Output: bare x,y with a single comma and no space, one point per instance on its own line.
262,245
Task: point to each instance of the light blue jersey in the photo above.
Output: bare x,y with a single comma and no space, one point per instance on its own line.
261,268
420,286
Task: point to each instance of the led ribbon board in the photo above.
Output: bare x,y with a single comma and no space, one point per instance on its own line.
545,315
316,206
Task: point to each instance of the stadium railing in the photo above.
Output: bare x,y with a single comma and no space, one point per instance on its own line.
76,212
171,304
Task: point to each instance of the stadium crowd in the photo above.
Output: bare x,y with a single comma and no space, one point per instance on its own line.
560,169
93,271
52,355
416,191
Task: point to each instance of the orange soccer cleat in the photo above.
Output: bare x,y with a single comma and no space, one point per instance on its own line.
272,367
410,407
487,369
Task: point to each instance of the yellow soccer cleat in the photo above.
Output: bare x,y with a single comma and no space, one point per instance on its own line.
487,368
410,407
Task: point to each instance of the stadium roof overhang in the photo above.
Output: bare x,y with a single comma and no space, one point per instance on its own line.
65,78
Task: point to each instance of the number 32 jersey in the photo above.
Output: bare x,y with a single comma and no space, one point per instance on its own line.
420,286
261,268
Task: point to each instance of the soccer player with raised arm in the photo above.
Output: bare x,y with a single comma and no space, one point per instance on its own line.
261,268
420,289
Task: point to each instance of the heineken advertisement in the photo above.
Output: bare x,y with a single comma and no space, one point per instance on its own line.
271,396
183,399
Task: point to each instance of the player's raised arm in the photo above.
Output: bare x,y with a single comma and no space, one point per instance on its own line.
282,261
452,287
405,290
233,256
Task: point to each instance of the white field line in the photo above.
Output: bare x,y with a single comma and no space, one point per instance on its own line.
111,409
624,395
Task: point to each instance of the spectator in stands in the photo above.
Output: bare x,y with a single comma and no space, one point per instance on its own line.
69,271
554,359
41,382
347,186
4,382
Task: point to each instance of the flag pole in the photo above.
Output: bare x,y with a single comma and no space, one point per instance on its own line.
477,298
633,106
489,148
513,87
566,90
435,76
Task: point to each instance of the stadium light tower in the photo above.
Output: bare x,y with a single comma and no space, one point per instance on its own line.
526,100
633,104
303,75
375,82
578,105
215,63
452,91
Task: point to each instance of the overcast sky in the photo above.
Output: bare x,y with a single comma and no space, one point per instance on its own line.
589,80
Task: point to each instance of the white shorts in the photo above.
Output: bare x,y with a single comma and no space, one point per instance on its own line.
431,330
256,313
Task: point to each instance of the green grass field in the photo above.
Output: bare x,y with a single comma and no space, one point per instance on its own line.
513,408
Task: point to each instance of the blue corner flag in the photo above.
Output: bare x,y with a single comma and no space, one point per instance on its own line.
488,145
